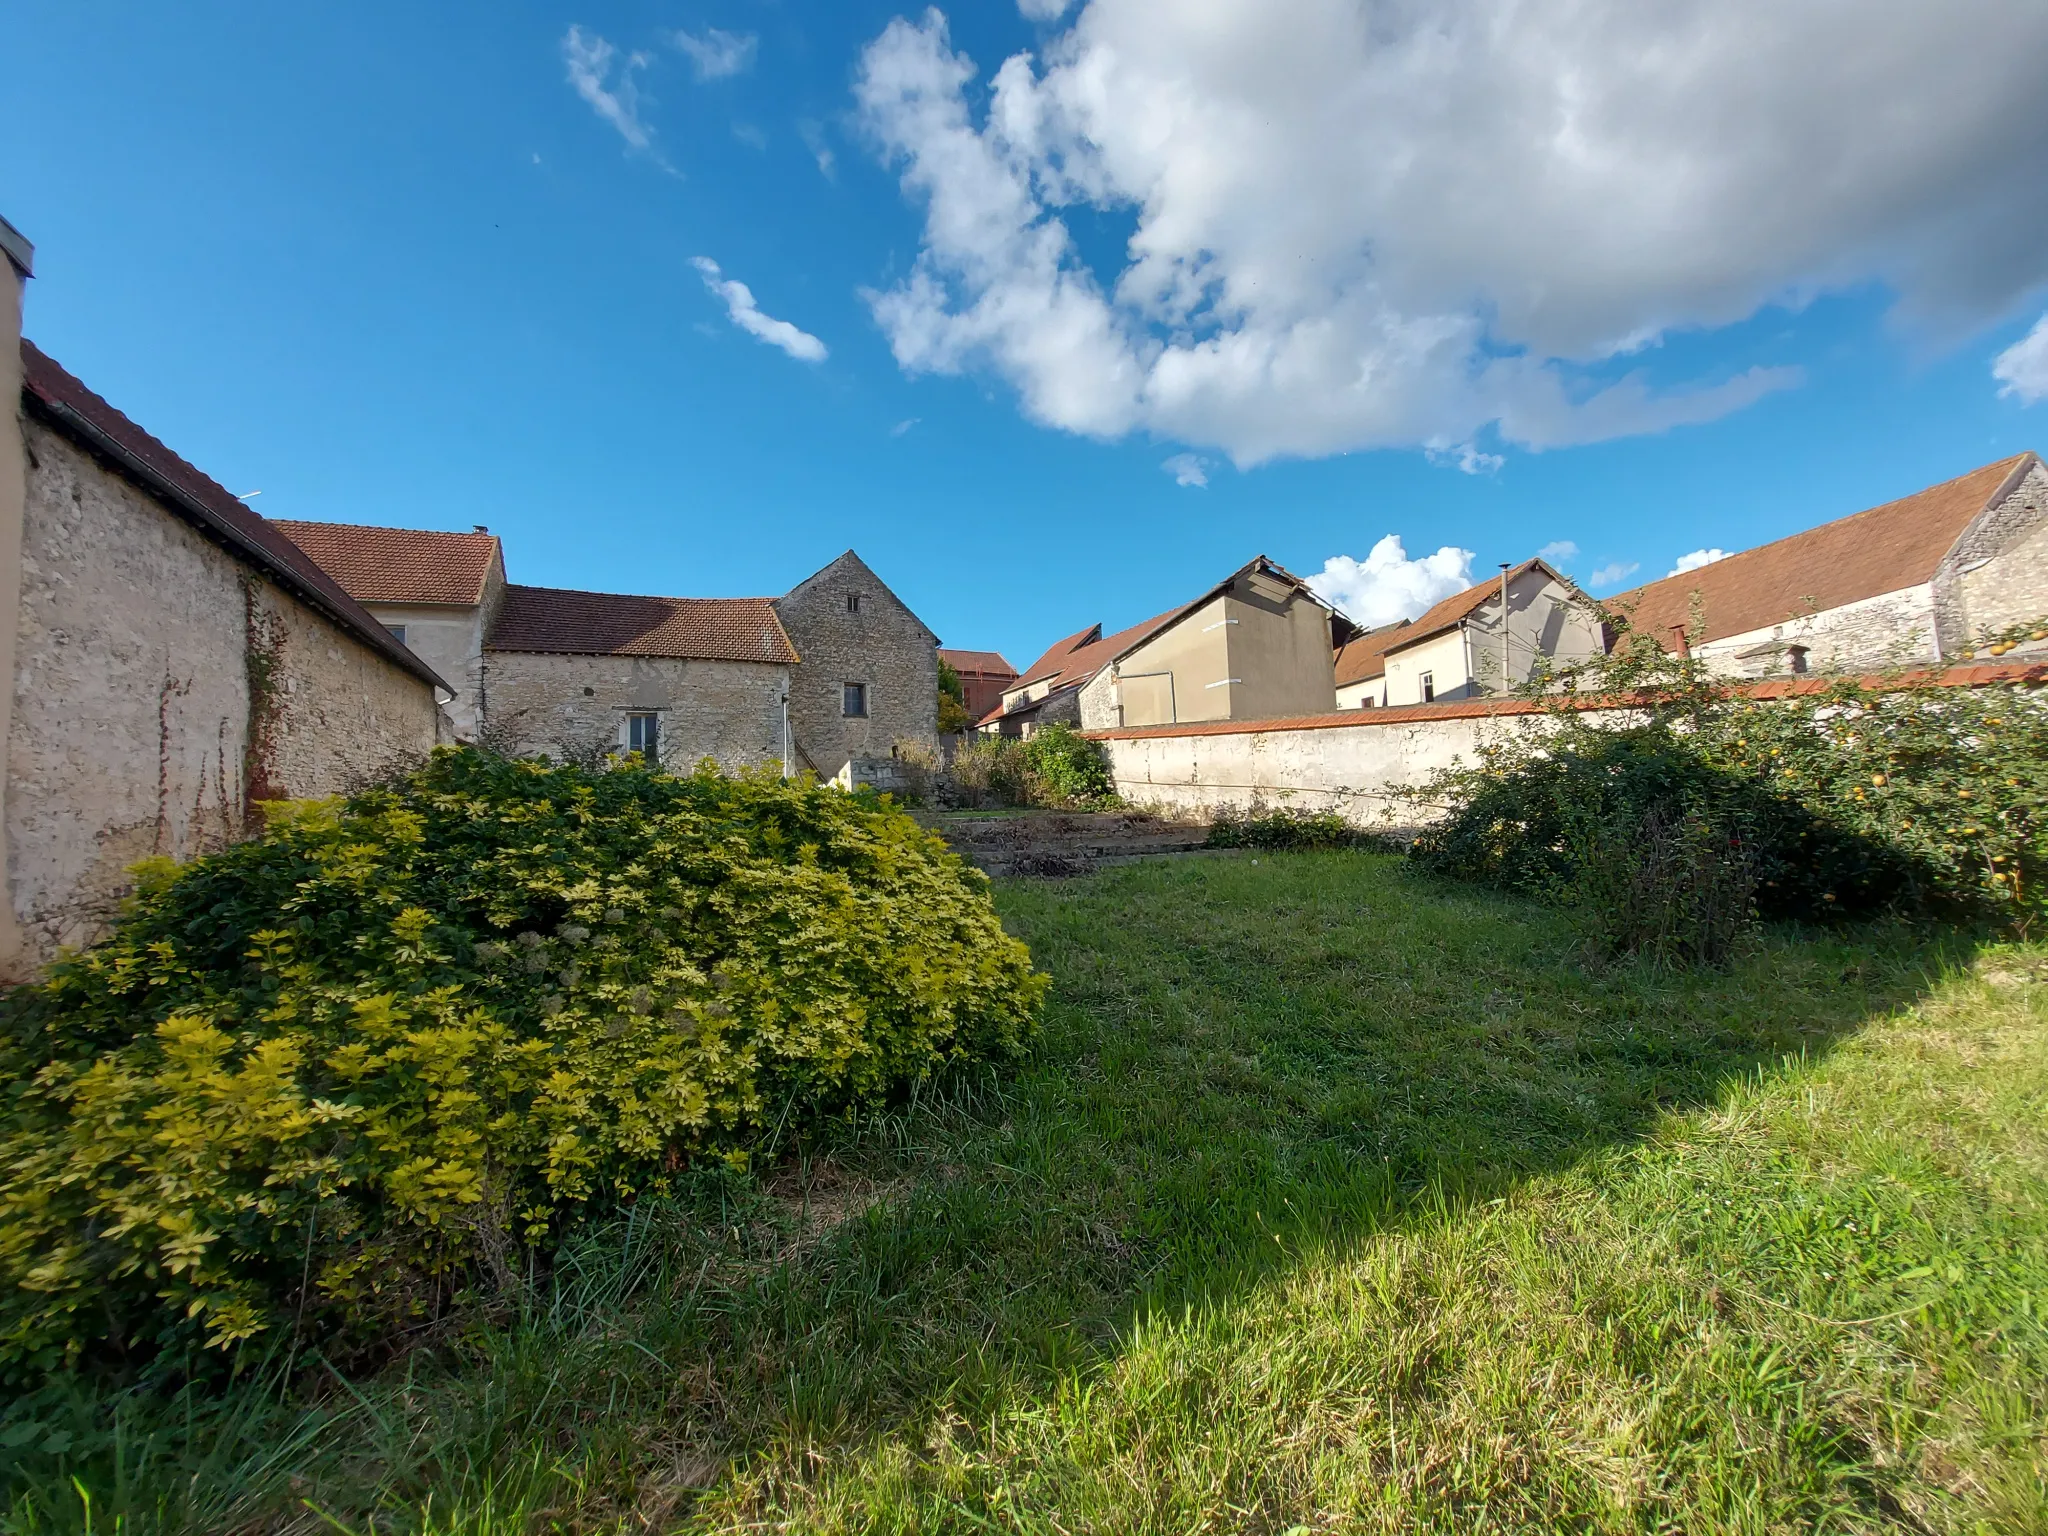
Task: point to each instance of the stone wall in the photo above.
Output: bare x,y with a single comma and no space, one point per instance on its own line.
1998,573
878,642
139,650
1890,629
572,708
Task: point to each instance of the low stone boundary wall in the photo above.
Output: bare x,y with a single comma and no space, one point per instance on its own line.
1352,761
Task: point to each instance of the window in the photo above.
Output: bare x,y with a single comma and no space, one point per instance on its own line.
396,631
643,735
853,700
853,604
1795,657
1428,681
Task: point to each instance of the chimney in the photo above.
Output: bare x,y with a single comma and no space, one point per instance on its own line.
1679,644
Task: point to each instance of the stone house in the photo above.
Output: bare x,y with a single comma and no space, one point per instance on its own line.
1259,645
577,676
1490,638
983,677
438,594
174,659
870,671
1914,580
827,678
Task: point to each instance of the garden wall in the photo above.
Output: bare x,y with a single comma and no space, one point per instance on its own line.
1353,761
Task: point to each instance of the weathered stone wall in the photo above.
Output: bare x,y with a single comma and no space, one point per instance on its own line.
327,714
448,639
572,708
1890,629
1352,768
883,645
134,678
1998,573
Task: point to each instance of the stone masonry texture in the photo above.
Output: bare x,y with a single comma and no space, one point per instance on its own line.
161,686
876,641
572,708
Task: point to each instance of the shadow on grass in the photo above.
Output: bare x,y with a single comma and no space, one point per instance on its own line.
1241,1057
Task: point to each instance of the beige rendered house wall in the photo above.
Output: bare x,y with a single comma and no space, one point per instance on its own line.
1168,678
160,687
1371,692
574,708
1280,657
1442,657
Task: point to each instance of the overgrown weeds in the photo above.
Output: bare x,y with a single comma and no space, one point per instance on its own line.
1259,825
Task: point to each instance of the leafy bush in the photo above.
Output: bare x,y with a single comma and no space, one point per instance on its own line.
343,1074
953,716
1258,826
990,770
1068,768
1906,798
1667,885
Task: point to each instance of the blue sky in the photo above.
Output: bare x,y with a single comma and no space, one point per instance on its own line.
386,264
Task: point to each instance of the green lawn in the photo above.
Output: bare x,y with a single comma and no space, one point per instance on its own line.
1332,1200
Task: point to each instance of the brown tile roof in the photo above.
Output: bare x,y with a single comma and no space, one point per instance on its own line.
980,663
1057,653
1864,555
608,624
399,565
1459,606
59,398
1367,655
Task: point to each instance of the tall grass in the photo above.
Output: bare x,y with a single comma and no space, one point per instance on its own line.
1333,1200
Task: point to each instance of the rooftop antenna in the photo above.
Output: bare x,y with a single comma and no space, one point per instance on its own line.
248,495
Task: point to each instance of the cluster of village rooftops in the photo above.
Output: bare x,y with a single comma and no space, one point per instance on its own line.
177,659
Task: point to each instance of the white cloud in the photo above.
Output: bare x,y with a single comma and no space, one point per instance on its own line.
750,136
740,305
904,425
1614,575
1187,469
2022,368
813,135
1558,553
615,97
717,55
1696,559
1386,585
1043,10
1412,224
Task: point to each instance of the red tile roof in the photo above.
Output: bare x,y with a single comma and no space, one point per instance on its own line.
399,565
59,398
980,663
1366,656
549,619
1864,555
1056,654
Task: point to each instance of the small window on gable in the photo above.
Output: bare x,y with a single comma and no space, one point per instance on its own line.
1428,681
853,602
853,700
643,735
1795,657
396,631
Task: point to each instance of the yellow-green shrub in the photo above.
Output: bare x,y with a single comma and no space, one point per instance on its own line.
341,1074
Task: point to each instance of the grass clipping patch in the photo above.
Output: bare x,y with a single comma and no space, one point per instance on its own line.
347,1074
